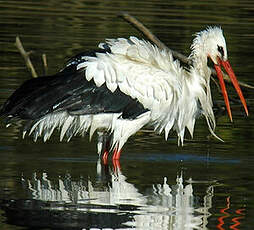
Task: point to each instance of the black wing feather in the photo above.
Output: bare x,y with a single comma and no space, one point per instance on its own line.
68,91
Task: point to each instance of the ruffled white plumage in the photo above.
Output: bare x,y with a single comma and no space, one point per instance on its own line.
173,95
151,76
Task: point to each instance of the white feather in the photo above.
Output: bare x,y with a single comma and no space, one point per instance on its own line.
99,78
121,134
142,71
66,126
102,121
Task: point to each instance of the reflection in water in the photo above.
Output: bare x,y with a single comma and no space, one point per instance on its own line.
235,220
110,202
110,189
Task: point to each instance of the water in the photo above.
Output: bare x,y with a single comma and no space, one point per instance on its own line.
205,184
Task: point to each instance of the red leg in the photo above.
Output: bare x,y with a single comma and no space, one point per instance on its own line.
117,166
115,159
116,154
106,152
105,157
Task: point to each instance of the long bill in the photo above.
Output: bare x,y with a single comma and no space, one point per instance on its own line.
234,81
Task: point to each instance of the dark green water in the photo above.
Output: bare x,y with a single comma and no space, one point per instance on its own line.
205,184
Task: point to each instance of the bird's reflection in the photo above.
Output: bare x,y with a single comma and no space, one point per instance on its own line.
110,188
109,202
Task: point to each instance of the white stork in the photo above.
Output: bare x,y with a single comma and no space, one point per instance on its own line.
117,90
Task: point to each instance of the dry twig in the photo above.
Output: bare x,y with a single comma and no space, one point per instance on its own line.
138,25
26,57
45,64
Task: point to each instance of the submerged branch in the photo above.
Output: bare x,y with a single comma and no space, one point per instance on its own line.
139,26
26,57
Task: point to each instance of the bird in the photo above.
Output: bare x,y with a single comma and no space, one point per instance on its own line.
122,86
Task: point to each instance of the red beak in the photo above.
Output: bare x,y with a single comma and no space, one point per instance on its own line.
234,81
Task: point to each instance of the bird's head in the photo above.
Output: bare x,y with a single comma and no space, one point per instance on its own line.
210,43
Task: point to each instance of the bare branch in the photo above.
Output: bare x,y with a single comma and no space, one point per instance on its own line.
25,55
45,64
139,26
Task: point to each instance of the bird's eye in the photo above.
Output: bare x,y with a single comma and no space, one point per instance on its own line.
221,50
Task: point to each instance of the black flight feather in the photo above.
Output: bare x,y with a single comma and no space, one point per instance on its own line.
68,91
